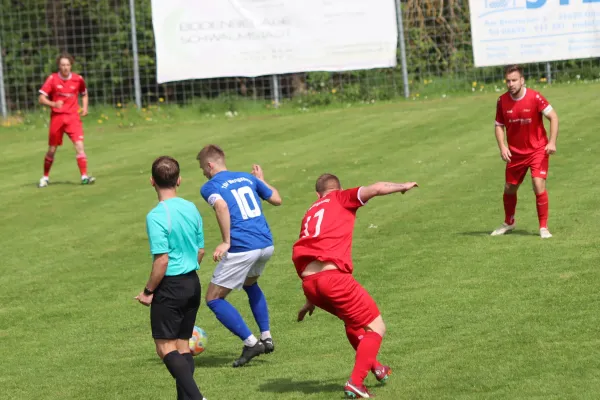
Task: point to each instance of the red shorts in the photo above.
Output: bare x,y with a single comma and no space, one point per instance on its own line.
341,295
65,123
517,168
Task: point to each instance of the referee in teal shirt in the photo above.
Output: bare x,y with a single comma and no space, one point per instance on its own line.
173,291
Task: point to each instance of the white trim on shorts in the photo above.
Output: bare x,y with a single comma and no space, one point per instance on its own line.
234,268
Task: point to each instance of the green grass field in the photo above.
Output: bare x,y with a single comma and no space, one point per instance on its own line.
469,316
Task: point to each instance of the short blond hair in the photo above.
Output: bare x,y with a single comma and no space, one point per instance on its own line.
211,152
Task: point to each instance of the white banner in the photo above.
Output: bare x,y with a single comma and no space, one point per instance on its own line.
525,31
198,39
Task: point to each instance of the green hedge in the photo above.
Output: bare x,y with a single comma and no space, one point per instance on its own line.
97,32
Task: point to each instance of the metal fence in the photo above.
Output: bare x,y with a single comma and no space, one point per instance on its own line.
113,43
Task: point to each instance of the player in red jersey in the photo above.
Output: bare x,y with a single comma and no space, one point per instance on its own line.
521,110
61,93
323,260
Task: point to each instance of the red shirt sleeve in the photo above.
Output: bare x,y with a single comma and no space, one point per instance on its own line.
350,198
499,113
541,103
82,87
47,87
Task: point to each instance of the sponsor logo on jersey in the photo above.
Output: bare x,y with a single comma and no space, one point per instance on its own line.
522,121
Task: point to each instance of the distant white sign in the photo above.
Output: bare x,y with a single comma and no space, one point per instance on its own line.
198,39
524,31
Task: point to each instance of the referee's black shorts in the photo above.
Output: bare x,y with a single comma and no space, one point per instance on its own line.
174,306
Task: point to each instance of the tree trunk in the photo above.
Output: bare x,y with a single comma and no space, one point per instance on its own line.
55,14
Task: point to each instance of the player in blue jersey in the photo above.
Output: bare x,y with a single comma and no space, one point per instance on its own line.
247,245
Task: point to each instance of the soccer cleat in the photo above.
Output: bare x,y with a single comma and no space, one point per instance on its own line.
248,353
382,373
43,182
269,345
353,391
88,180
545,233
502,229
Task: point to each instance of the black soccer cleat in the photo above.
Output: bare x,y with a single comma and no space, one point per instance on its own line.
248,353
269,345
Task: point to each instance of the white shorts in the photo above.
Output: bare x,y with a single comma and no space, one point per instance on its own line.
234,268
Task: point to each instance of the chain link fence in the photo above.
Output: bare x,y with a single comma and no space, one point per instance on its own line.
436,42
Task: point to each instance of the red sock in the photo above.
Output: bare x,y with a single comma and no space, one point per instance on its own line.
47,165
541,201
82,163
354,337
510,206
366,356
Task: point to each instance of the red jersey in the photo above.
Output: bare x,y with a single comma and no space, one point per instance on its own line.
68,90
523,119
326,231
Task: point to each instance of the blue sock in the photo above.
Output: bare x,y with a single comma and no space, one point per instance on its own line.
258,304
230,318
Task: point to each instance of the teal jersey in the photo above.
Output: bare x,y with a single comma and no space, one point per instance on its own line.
174,227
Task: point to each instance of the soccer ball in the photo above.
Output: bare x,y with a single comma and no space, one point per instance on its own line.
198,341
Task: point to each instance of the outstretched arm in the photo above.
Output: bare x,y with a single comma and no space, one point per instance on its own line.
384,188
275,198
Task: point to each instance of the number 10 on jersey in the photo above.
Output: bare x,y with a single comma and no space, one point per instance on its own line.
242,202
319,215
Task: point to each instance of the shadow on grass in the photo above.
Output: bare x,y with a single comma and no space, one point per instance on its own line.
288,385
52,183
213,361
518,232
218,361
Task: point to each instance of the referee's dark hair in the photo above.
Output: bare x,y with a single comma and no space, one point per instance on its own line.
165,172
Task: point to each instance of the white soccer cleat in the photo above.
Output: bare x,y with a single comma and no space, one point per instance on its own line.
43,182
545,233
502,229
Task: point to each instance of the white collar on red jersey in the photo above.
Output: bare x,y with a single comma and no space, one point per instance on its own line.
67,78
520,98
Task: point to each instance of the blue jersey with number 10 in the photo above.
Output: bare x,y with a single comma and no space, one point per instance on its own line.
243,193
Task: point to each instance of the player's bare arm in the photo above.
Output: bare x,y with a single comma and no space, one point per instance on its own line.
224,220
275,198
200,255
308,307
45,101
159,267
505,153
552,116
384,188
84,101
